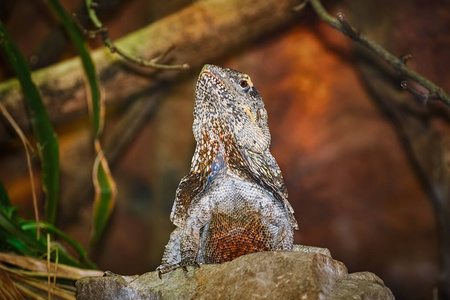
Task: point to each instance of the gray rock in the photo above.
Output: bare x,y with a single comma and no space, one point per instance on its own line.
305,273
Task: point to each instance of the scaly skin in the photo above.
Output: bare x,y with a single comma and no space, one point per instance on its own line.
233,201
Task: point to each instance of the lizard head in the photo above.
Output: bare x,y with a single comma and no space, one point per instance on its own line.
229,97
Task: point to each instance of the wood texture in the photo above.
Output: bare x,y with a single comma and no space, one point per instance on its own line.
198,34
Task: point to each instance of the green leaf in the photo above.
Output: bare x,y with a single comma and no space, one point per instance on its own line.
5,204
16,232
92,14
42,129
103,181
21,247
4,199
26,242
88,64
72,242
105,193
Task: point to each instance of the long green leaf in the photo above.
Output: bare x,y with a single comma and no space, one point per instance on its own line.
105,190
15,231
19,246
72,242
88,64
19,238
43,131
105,194
104,184
18,234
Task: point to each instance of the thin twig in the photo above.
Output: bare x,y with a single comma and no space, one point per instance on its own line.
300,7
142,62
404,58
423,97
104,34
348,29
340,24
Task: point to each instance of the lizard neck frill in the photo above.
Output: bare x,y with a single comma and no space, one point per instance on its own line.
217,145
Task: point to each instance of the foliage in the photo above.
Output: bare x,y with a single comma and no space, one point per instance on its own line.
21,236
46,139
105,188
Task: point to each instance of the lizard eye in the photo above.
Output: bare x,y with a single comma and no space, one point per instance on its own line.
245,86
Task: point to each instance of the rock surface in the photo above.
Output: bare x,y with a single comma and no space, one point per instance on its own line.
306,273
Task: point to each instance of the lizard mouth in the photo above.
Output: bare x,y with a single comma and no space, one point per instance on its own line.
214,77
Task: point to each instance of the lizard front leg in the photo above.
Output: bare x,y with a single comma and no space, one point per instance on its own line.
190,243
199,216
172,256
181,250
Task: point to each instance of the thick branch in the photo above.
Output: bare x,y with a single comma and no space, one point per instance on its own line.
199,34
435,92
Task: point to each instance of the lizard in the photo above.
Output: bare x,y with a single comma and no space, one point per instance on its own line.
234,200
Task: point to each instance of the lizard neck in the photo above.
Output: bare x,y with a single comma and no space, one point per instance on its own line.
215,151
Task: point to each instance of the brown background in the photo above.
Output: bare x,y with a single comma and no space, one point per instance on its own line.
338,121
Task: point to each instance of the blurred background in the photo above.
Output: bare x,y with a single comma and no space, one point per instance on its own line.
361,158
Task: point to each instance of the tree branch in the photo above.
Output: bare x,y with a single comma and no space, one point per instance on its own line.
198,34
104,34
340,24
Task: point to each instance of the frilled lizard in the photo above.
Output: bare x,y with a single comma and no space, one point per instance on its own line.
233,201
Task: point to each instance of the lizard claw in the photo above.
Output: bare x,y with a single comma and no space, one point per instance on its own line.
188,262
166,269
